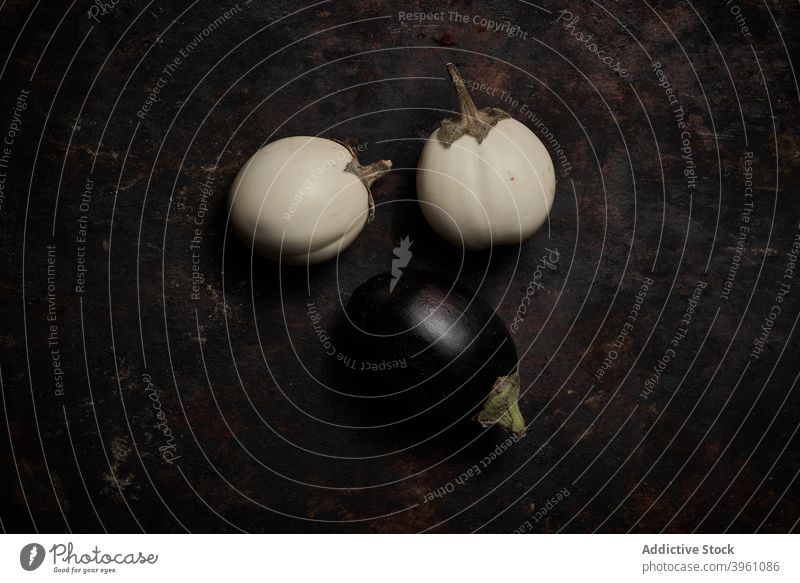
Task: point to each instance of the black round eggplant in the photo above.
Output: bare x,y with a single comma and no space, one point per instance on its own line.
426,348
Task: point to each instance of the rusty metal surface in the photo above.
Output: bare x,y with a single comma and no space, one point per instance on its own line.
692,424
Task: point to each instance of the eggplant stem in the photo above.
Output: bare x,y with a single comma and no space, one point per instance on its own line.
368,174
502,406
465,103
472,121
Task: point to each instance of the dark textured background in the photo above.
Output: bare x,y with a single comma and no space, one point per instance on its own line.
243,382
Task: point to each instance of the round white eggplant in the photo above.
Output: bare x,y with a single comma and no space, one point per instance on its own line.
484,179
302,200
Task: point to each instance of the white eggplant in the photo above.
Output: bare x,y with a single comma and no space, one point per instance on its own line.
302,200
484,178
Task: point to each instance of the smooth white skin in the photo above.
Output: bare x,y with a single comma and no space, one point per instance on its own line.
498,192
297,189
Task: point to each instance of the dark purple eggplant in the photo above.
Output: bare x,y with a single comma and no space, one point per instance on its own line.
428,348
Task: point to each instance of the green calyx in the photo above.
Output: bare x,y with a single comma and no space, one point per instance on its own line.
502,406
471,121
